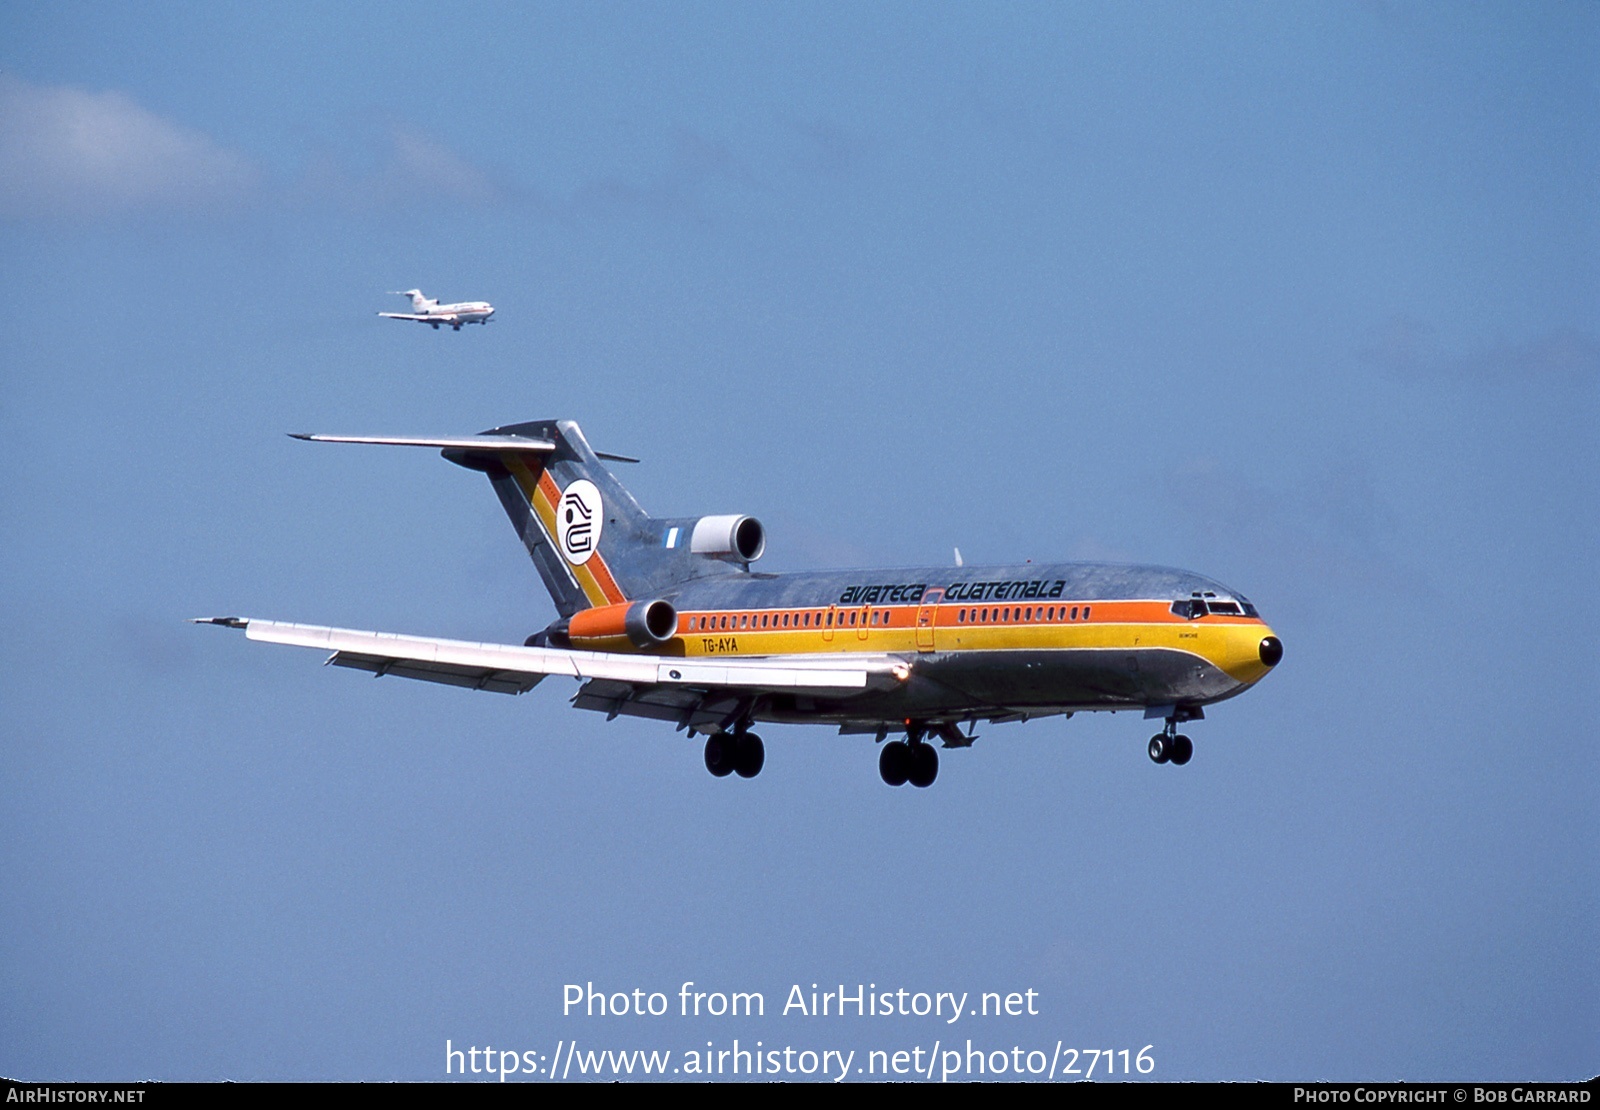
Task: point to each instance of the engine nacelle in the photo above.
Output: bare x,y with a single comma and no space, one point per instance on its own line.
740,538
631,624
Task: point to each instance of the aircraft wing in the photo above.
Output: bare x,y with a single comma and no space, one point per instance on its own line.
508,669
436,318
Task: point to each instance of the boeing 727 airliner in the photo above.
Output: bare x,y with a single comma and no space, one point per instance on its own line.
426,310
663,618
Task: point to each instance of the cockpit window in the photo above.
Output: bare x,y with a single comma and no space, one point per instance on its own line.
1193,608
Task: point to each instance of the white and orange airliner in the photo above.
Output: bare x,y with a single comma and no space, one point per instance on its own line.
425,310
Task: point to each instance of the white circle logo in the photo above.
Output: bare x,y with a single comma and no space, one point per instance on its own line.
578,519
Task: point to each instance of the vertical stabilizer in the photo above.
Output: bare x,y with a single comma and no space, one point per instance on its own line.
579,524
591,542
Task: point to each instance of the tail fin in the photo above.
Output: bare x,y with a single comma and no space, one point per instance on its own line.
418,301
591,542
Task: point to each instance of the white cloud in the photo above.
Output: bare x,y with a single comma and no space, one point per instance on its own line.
441,171
70,152
402,167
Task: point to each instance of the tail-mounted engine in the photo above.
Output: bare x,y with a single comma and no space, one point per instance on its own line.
738,538
630,625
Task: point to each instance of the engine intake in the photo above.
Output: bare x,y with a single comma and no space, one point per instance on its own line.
741,538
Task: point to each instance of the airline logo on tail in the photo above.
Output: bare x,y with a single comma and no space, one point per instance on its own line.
579,520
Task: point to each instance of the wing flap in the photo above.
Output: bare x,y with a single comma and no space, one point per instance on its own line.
472,678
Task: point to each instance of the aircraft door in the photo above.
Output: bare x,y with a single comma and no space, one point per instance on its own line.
927,618
827,627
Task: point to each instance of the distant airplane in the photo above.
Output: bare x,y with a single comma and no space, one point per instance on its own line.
663,618
432,313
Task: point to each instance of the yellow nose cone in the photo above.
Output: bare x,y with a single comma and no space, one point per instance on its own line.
1249,651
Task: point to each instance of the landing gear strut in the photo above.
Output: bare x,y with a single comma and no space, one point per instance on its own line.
1168,746
740,751
911,760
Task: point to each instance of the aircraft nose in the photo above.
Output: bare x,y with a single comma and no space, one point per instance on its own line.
1271,651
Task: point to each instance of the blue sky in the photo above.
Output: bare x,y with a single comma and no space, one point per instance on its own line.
1299,297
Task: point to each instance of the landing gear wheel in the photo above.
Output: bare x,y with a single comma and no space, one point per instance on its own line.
721,754
894,762
1182,750
1159,751
749,755
924,765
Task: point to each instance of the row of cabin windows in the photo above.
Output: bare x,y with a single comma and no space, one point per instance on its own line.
1010,614
879,617
813,619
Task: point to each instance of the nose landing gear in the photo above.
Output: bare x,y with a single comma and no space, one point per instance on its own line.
1168,746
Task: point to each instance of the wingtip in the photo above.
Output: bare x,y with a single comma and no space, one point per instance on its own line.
300,435
226,622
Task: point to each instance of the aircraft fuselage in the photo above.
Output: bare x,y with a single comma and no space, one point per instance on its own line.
1026,640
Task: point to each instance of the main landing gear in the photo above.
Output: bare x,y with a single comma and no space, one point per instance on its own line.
912,760
1168,746
739,751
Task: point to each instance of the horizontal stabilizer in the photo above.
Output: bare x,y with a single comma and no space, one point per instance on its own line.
459,443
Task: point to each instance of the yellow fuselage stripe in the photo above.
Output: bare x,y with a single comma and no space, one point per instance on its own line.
1230,644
